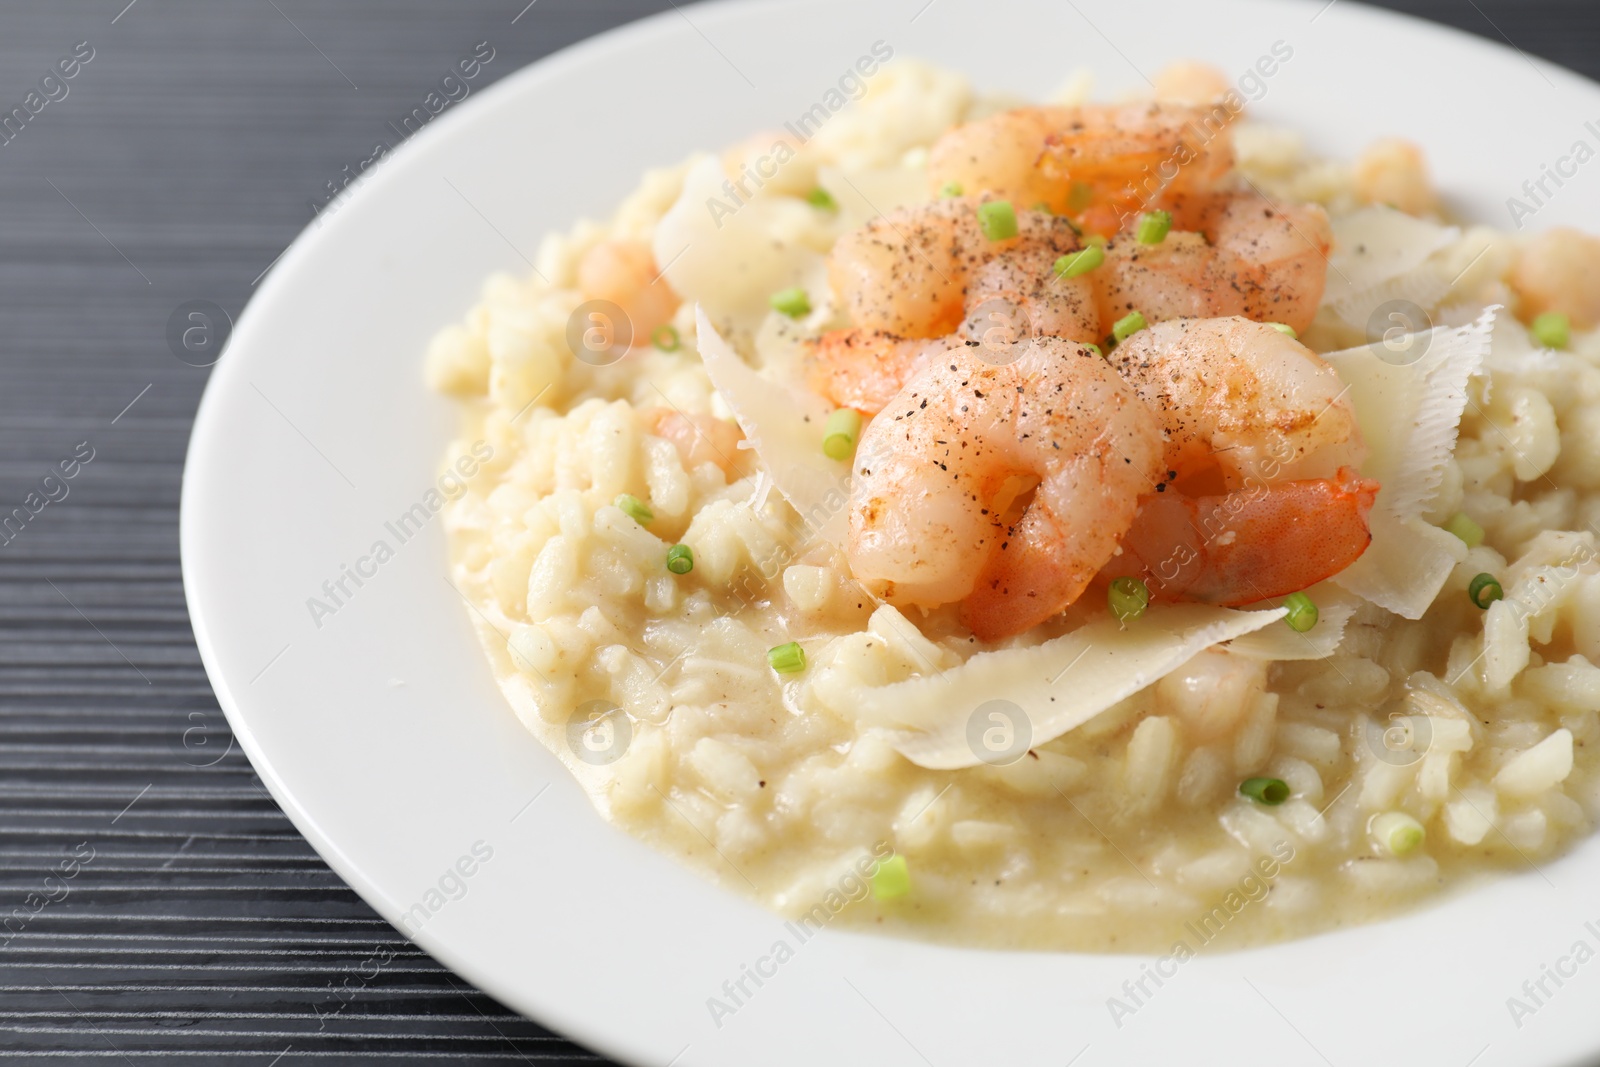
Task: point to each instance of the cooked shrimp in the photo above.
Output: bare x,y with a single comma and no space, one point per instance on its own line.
1103,163
624,272
907,273
698,438
1190,82
929,272
1241,398
1556,271
1251,544
1244,256
934,505
1018,292
863,369
1229,254
1010,298
1395,172
904,273
1259,495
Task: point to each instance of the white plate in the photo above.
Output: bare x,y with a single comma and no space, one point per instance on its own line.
381,732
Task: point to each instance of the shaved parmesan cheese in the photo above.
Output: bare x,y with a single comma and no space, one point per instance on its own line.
1405,566
1320,642
1514,351
1380,254
784,425
1409,414
937,720
733,256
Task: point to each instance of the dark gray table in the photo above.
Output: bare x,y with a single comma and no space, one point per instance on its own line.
183,157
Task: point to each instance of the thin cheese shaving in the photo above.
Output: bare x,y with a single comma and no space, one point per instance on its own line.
1058,685
1320,642
732,258
1408,396
1380,254
784,425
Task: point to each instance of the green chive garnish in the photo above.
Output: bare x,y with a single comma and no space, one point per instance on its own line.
840,432
1285,328
1154,227
792,302
1269,791
820,197
1485,590
787,659
1074,264
1128,325
890,878
1128,597
680,559
1042,207
1552,329
950,189
1079,197
1398,832
1302,612
997,220
665,337
1470,532
1091,346
634,508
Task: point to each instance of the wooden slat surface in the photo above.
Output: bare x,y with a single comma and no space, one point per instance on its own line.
178,167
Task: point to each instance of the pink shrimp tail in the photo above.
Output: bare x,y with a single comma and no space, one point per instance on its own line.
1255,543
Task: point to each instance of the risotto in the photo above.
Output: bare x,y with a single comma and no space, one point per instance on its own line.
1282,615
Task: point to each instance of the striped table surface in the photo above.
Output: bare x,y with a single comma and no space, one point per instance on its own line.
154,902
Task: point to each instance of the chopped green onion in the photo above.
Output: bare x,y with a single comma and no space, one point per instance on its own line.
950,189
840,432
820,197
1128,325
1128,597
997,220
1091,346
1074,264
1154,227
890,878
1079,197
1269,791
665,337
1285,328
1485,590
1041,207
680,559
1470,532
1552,329
1302,612
792,302
787,659
1398,832
1099,240
634,508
